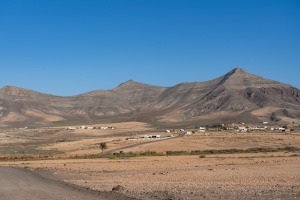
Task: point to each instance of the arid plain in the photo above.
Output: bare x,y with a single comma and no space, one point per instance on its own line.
210,165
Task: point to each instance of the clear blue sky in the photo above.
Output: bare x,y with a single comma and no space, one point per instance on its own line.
68,47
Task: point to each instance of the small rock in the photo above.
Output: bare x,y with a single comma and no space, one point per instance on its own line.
163,173
118,188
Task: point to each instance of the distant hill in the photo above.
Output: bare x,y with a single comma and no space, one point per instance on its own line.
237,96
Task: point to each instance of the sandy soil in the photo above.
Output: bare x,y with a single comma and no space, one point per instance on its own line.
223,140
234,176
254,176
22,184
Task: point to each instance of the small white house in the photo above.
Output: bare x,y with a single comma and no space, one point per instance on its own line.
168,131
103,127
202,129
242,129
70,128
189,133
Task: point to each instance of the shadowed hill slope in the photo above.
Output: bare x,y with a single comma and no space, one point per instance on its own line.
235,93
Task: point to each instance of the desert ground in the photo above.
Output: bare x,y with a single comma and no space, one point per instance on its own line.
73,157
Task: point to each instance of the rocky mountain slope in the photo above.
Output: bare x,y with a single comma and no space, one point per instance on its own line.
236,96
233,94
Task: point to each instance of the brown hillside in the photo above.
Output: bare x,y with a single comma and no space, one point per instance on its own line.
237,95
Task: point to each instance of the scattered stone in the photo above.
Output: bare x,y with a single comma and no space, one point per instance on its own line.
164,173
118,188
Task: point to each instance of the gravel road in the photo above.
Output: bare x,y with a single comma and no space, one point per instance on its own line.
22,184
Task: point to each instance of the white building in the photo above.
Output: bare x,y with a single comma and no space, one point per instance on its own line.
202,129
70,128
242,129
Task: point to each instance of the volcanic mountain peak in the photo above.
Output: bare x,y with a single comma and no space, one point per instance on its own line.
18,92
238,73
133,85
240,79
129,83
15,91
239,70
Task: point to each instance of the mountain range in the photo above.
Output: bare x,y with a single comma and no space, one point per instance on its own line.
238,96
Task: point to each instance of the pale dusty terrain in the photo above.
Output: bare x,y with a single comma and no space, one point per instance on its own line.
273,175
222,140
23,184
182,177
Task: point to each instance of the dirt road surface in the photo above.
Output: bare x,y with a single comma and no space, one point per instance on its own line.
22,184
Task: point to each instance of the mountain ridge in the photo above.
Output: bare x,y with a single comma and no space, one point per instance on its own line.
237,94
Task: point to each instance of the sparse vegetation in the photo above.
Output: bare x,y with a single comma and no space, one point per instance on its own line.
250,150
201,153
135,154
103,146
173,153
